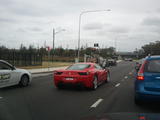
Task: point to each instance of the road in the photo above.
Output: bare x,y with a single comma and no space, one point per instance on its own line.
42,101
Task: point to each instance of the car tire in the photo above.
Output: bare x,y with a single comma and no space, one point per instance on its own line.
95,83
59,87
137,101
24,81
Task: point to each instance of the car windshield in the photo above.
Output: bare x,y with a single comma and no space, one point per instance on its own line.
78,67
153,66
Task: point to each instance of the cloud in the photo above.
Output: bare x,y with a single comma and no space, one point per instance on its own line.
28,21
7,20
6,2
34,11
151,25
106,28
119,29
1,39
20,30
151,21
30,29
158,10
35,29
93,26
41,8
28,8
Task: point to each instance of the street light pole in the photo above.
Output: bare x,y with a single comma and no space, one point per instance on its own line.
54,33
79,30
53,38
115,45
79,34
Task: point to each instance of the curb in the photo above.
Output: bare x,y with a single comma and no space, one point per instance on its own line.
45,71
42,72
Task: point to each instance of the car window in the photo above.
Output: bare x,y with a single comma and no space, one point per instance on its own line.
153,66
98,67
78,67
4,66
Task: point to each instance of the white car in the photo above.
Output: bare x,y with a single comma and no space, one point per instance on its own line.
10,75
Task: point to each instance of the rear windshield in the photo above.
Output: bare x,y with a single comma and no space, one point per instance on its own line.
153,66
78,67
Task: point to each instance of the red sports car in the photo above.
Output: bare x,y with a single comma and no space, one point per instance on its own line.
89,75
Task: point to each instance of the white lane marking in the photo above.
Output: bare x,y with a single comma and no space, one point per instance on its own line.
117,85
96,103
1,97
126,77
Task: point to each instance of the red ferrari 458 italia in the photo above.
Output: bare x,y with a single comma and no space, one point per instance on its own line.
89,75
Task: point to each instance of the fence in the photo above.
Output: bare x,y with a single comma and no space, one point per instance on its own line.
18,58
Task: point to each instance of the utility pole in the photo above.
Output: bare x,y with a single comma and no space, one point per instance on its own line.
54,33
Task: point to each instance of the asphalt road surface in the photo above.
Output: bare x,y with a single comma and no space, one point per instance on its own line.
42,101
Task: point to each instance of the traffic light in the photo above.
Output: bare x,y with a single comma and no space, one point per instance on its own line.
96,45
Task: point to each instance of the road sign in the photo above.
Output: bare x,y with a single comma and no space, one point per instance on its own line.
48,48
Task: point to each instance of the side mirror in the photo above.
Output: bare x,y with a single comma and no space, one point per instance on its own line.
106,68
107,65
13,67
137,68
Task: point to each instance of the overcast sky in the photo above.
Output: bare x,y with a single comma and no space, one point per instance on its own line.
131,23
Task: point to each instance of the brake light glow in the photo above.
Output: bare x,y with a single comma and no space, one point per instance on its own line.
140,77
141,117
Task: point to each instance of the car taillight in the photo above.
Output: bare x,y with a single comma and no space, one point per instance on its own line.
140,75
83,73
57,73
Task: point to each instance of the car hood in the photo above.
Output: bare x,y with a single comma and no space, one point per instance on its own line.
124,116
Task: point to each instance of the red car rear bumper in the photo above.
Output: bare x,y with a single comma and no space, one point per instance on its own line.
85,81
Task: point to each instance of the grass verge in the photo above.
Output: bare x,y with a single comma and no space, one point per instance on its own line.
48,64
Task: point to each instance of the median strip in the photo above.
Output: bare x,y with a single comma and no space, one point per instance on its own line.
117,85
96,103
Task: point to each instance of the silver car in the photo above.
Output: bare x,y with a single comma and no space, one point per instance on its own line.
10,75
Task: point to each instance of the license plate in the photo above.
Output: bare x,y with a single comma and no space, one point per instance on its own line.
69,78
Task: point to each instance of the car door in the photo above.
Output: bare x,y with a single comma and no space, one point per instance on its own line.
7,75
100,72
2,81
